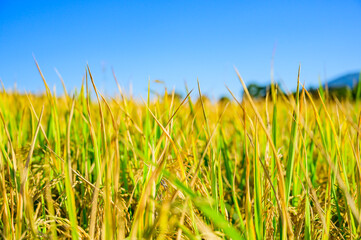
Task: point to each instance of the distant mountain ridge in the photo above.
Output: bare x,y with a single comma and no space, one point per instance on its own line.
347,80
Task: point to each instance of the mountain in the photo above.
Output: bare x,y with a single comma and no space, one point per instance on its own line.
349,80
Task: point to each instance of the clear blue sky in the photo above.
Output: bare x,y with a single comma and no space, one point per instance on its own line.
177,41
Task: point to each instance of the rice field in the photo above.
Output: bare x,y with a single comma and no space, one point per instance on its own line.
82,167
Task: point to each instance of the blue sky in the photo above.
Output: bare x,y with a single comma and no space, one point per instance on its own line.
177,41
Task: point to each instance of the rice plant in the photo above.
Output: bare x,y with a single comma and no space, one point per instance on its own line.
83,167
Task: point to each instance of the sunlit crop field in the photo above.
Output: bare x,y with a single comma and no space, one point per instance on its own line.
286,167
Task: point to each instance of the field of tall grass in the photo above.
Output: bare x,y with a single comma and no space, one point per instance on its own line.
286,167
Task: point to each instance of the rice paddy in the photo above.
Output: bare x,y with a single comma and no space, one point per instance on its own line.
82,167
